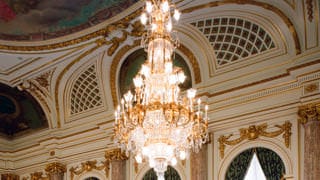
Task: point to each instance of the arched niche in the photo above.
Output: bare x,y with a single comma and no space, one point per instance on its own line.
278,149
132,64
271,163
20,112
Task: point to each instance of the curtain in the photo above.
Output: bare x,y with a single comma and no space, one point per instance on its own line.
239,166
271,164
170,174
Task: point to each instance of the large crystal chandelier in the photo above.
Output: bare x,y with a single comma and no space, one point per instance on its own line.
155,123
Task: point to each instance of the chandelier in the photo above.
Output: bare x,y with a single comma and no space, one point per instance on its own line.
155,123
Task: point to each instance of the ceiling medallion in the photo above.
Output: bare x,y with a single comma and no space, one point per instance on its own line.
155,123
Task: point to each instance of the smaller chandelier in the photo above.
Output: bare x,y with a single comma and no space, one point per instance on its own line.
155,123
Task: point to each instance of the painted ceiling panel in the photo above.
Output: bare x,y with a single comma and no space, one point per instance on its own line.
46,19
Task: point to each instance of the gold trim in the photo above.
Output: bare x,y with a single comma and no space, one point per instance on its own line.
55,167
113,155
309,4
253,132
263,5
105,32
309,112
86,167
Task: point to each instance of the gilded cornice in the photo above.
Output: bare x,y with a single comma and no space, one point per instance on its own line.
263,5
253,132
113,155
309,112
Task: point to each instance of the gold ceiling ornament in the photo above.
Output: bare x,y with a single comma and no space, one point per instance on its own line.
253,132
86,167
309,112
55,167
113,155
36,176
155,123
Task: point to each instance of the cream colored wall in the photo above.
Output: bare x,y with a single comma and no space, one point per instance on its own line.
261,89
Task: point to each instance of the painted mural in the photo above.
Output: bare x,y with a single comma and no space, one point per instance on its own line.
46,19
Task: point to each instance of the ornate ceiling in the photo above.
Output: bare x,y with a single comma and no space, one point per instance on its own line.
33,20
244,56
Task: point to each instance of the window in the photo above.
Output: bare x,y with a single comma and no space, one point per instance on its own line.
255,171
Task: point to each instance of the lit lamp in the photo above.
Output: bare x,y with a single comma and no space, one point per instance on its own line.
155,123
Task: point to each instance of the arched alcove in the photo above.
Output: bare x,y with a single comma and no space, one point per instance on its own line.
132,64
19,112
271,163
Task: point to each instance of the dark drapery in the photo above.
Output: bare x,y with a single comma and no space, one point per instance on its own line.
238,167
170,174
272,165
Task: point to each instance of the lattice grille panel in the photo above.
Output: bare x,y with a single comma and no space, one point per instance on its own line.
85,93
234,39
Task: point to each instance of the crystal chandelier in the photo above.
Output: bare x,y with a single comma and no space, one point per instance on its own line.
155,123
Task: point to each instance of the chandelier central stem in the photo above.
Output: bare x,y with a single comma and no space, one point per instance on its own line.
155,123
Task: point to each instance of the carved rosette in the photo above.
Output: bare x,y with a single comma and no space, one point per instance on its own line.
254,132
310,112
114,155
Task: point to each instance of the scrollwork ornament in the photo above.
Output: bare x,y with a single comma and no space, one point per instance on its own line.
86,167
253,132
55,167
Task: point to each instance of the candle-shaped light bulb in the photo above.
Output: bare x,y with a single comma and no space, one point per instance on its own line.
176,15
143,18
199,103
116,116
149,6
206,113
165,6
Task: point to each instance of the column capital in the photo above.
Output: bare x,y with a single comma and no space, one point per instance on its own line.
55,167
9,176
309,112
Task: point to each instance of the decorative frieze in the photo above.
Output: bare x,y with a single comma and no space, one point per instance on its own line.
253,132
